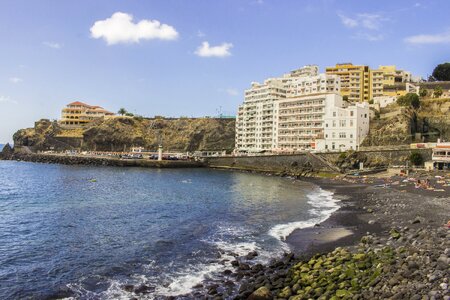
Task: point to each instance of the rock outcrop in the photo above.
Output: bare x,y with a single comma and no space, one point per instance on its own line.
7,152
122,133
399,126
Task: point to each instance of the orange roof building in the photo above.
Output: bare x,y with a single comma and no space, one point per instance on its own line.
78,114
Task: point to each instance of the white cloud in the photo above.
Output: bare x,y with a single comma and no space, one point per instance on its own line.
371,21
6,99
232,92
119,28
15,80
348,22
439,38
366,26
53,45
205,50
363,20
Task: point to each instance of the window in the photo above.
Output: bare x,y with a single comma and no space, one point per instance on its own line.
351,136
342,123
333,135
365,115
334,123
351,123
342,135
334,114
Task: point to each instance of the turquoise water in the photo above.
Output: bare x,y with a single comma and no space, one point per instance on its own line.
87,231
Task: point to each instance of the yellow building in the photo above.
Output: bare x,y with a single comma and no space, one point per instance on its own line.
78,114
355,81
392,76
360,83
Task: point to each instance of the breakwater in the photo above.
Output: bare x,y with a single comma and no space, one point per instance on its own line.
105,161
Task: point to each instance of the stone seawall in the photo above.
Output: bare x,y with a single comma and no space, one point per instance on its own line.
308,164
296,165
103,161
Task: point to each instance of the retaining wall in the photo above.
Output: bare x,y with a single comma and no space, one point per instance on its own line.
301,163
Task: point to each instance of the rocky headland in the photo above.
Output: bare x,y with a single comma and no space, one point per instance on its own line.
122,133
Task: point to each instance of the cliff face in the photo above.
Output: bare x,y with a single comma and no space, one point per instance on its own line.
403,126
175,134
122,133
393,130
433,119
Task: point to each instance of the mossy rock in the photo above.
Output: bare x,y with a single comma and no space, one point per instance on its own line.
285,293
395,234
343,294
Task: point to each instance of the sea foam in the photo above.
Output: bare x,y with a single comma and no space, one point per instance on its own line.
323,203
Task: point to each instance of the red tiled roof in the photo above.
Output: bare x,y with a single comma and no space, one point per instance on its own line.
79,103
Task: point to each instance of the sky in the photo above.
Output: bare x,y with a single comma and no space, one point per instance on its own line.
195,58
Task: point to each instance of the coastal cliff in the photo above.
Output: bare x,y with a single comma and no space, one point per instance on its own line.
400,125
122,133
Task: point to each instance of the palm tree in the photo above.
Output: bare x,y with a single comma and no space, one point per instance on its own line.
122,111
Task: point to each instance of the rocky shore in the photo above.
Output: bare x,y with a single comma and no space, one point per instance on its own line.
101,161
382,244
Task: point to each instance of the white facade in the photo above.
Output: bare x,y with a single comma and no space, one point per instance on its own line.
256,118
383,101
290,114
301,120
345,127
323,83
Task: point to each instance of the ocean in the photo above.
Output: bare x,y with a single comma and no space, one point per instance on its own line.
89,231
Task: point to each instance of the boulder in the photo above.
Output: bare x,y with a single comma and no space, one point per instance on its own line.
262,293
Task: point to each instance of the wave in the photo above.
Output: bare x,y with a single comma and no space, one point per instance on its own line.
230,241
323,203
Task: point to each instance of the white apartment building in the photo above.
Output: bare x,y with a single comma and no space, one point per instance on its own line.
256,118
256,124
345,126
290,114
301,121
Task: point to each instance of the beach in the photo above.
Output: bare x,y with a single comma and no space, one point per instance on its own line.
405,222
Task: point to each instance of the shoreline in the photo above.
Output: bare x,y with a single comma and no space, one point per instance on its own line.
103,161
392,218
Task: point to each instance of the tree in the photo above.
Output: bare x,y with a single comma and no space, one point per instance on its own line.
416,158
122,111
437,92
442,72
423,93
409,99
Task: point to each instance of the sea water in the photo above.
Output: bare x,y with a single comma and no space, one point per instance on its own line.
92,230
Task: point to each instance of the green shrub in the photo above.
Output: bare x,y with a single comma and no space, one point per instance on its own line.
416,158
409,99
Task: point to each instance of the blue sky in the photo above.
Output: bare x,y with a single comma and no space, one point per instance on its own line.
192,58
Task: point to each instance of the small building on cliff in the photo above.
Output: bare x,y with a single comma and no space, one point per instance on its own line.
78,114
